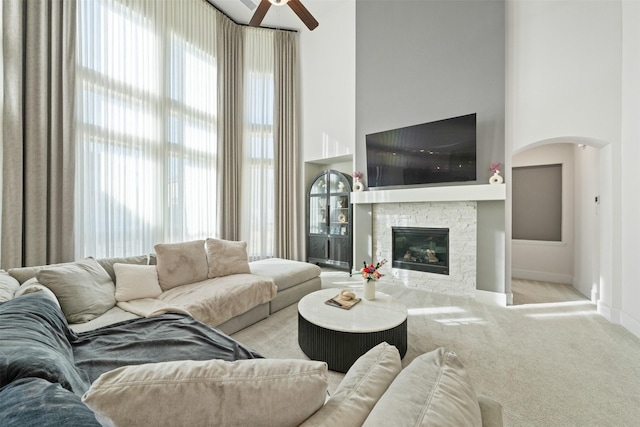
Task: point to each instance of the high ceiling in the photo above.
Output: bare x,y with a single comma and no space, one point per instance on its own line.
277,17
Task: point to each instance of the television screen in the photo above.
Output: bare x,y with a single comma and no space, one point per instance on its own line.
435,152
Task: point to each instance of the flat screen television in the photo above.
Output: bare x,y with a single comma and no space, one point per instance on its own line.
443,151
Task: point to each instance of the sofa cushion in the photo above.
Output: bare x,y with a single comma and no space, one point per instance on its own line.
214,301
286,273
83,288
8,286
434,390
136,281
226,257
211,392
181,263
108,263
360,389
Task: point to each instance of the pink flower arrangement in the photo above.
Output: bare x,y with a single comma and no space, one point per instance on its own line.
495,167
357,175
370,272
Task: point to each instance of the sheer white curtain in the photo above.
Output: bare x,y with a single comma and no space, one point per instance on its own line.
257,204
146,125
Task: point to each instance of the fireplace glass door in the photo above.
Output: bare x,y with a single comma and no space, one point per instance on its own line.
421,249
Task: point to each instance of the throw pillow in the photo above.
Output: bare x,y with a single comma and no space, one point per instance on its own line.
434,390
275,392
83,288
22,274
8,286
226,257
181,263
107,263
136,281
360,389
31,286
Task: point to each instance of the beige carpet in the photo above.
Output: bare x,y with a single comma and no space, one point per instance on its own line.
549,364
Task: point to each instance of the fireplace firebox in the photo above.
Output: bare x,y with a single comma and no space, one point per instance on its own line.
421,249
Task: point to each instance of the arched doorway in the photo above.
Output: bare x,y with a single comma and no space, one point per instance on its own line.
565,268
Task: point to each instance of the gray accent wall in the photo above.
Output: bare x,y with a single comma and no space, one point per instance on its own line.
420,61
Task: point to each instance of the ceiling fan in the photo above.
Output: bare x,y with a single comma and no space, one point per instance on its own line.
295,5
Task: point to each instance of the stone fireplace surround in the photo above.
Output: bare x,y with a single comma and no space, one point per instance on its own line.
461,220
453,207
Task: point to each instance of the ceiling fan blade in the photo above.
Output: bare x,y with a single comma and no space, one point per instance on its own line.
259,14
302,12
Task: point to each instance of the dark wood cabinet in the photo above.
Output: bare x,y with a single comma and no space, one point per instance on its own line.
329,220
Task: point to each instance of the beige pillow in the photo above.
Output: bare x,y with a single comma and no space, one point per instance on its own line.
226,257
31,286
83,288
360,389
181,263
136,281
257,392
434,390
8,286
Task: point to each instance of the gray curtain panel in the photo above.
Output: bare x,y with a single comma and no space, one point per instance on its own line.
287,140
38,149
230,98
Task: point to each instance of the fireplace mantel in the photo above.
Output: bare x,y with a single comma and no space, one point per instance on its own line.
454,193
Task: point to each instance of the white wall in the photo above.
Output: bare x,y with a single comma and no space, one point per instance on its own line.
573,70
564,60
630,177
548,261
586,275
328,61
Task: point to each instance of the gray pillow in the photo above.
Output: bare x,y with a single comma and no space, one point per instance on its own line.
181,263
107,263
83,288
22,274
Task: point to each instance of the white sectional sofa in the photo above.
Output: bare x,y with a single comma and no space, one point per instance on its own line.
209,279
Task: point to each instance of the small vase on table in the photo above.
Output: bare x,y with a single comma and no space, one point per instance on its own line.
369,289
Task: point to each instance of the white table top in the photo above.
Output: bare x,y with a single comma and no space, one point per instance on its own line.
380,314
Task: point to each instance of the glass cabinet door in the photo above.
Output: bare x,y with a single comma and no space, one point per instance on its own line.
338,205
329,240
318,221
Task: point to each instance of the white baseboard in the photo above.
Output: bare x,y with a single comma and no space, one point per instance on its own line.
494,298
619,317
633,325
542,276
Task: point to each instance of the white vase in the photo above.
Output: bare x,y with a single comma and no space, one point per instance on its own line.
496,178
358,186
369,289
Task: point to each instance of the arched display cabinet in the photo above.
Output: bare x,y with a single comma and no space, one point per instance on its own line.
330,221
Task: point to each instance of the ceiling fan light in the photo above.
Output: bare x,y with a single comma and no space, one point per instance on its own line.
278,2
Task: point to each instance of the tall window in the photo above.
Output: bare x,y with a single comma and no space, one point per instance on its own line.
146,125
258,220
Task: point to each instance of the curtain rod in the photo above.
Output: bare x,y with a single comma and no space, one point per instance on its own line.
245,25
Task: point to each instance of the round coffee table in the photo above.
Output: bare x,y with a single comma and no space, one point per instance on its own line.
339,336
